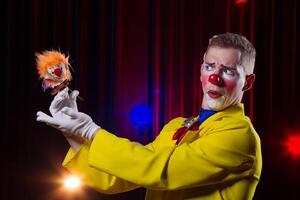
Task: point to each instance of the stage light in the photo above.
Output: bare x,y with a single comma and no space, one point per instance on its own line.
141,116
292,145
240,2
72,182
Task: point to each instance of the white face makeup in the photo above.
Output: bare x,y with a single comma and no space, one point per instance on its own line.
222,78
215,104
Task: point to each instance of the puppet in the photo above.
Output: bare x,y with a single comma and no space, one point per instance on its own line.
54,69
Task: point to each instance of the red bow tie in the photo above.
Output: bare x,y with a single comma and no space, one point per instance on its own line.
181,132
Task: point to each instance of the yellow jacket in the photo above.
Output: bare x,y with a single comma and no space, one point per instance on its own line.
221,160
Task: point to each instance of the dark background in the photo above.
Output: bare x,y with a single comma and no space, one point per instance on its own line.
145,53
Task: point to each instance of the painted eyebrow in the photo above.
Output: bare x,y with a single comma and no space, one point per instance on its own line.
224,66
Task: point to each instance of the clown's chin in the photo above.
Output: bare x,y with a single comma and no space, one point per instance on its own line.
215,104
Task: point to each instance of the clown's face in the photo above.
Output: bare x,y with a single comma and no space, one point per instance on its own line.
223,78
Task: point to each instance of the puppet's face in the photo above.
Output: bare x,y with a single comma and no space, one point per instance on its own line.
222,78
53,68
57,72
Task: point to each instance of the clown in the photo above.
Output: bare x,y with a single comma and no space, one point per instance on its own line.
216,155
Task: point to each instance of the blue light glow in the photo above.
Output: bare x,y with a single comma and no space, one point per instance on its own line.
141,116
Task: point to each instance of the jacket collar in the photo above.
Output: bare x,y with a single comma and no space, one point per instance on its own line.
236,110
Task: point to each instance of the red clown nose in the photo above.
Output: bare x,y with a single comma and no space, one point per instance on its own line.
216,80
57,72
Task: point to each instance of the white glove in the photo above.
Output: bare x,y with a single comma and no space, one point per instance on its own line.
70,121
63,99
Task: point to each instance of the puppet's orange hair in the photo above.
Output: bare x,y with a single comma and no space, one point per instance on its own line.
50,58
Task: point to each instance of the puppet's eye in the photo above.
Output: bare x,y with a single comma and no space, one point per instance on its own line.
62,65
50,69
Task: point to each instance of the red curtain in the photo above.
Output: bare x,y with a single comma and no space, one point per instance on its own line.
130,52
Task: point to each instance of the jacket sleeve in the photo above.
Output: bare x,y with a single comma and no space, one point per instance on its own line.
77,163
225,154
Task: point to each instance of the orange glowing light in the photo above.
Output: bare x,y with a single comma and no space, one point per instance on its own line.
293,145
72,182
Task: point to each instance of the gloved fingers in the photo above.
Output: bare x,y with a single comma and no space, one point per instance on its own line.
58,100
42,117
74,94
64,91
62,94
73,97
70,112
55,105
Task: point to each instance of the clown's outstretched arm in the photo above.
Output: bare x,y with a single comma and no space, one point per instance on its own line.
79,140
165,167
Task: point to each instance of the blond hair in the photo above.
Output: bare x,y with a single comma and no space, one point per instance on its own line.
239,42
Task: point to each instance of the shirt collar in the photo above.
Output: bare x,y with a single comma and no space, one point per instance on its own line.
204,114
